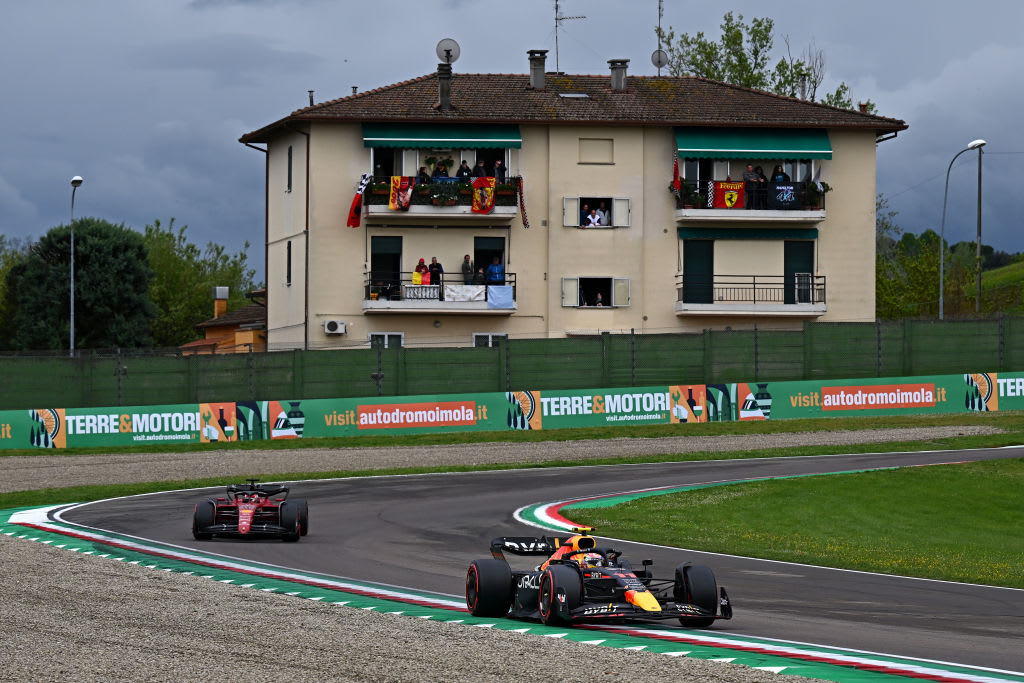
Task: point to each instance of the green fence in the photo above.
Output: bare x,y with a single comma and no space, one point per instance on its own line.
819,351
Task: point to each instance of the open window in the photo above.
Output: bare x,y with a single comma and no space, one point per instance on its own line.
595,212
595,292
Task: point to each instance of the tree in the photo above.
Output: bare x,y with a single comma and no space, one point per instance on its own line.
112,275
742,56
12,252
184,278
907,284
886,230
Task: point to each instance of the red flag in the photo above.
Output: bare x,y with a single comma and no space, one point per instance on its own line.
483,195
677,184
356,210
728,195
401,193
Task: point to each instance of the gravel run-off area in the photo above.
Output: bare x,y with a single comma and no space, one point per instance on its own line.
65,616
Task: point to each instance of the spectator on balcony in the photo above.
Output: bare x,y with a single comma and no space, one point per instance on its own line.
761,194
584,212
440,171
593,220
750,185
480,278
465,172
423,176
499,171
421,267
779,175
467,270
436,271
602,214
480,171
495,272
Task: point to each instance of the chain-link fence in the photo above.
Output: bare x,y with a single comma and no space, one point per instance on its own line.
819,351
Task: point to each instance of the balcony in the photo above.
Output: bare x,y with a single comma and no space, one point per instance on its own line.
797,295
449,199
405,293
724,201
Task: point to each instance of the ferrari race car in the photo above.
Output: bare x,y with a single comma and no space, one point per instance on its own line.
581,582
252,510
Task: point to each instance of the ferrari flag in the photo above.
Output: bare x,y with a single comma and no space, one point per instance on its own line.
483,195
356,210
728,195
401,192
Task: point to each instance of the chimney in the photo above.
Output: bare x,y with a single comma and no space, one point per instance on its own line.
220,301
444,87
618,73
310,97
537,59
862,107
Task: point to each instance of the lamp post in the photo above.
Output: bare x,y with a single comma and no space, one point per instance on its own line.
75,183
977,259
975,144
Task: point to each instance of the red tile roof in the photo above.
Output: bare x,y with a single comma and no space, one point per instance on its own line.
647,100
253,314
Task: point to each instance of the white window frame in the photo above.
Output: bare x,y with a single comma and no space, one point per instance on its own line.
491,337
621,206
401,338
619,287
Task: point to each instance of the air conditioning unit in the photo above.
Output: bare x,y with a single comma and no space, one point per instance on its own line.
334,326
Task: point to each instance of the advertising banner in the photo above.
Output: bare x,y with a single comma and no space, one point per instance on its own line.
514,410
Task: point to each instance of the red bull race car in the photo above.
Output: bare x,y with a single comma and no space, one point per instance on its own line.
582,582
252,510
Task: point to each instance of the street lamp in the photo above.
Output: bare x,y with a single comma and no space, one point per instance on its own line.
975,144
75,183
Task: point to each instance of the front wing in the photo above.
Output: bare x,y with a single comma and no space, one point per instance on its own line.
254,530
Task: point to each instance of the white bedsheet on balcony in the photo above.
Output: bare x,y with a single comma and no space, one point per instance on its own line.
465,292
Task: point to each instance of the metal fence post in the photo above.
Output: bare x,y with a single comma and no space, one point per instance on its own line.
252,375
378,376
878,347
756,359
1002,339
117,371
632,357
508,364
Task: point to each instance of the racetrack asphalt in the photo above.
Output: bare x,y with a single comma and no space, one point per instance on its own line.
422,531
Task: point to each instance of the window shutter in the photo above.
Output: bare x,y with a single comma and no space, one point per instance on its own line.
570,291
620,291
620,213
571,212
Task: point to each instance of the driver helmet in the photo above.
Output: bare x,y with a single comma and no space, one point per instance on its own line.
590,560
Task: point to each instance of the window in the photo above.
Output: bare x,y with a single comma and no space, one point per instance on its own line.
386,340
597,151
596,292
486,339
288,265
289,189
616,211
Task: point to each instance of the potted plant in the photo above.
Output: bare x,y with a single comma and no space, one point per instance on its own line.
815,193
444,194
505,189
687,196
380,188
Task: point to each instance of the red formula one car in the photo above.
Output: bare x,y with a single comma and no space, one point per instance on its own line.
581,582
252,510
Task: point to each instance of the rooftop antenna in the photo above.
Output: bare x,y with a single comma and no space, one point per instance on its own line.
559,18
659,56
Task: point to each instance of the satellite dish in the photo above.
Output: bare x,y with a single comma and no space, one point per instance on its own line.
659,58
447,50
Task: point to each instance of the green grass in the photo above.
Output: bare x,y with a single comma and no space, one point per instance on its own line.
1010,274
951,522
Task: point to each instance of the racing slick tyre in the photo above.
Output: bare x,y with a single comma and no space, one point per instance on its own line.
203,517
303,514
555,578
290,521
489,588
695,584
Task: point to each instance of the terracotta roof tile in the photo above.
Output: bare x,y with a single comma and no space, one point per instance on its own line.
247,315
647,100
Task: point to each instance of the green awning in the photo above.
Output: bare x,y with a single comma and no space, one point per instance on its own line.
753,143
748,233
440,136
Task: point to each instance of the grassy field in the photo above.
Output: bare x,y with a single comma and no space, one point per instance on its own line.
951,522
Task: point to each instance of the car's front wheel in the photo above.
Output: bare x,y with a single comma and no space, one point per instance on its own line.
203,518
695,584
303,514
555,579
290,521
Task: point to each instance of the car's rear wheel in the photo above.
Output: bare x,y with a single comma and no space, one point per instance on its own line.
488,588
290,521
557,578
303,514
695,584
203,518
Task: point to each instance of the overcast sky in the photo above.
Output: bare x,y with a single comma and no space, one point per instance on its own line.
146,100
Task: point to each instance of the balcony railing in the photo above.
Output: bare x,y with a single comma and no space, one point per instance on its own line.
747,292
723,195
448,291
441,192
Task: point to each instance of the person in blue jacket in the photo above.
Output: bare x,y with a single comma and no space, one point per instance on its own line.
495,272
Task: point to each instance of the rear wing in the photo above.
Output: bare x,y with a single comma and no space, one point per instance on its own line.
525,545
